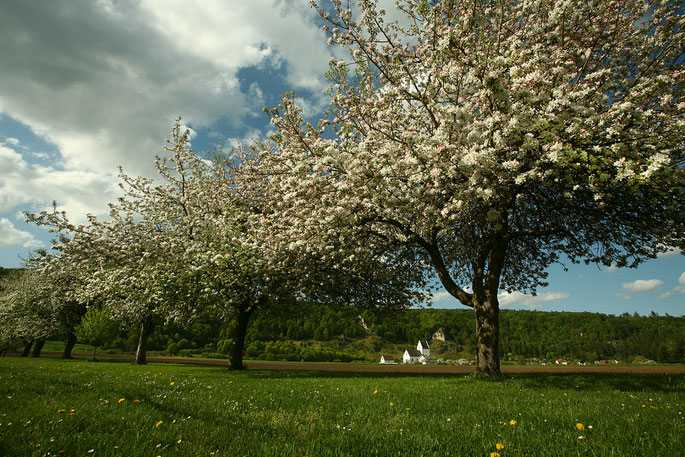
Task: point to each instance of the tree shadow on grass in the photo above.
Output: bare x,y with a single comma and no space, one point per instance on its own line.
623,382
300,374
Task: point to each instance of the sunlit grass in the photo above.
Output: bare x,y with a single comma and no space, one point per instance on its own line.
75,406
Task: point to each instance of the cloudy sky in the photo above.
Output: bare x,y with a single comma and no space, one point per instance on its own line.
90,85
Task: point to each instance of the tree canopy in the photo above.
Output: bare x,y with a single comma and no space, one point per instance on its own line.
491,139
185,243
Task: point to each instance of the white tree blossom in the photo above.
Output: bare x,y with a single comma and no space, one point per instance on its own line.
494,138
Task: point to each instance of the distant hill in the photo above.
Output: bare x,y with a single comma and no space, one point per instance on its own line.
318,332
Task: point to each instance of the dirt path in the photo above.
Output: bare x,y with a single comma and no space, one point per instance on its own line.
399,368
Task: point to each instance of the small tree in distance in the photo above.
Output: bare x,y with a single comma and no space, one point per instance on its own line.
96,328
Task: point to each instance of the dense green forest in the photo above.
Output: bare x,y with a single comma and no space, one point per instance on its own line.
325,333
318,332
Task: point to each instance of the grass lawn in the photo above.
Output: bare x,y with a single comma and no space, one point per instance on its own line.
81,408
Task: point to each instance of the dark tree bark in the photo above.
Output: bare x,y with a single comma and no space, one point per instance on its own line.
487,338
27,349
236,357
145,330
37,348
69,346
487,271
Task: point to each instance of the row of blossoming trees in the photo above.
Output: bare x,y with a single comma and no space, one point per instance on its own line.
477,141
170,251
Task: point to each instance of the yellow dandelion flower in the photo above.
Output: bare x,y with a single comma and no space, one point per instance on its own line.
565,394
644,406
375,391
172,383
542,395
136,401
121,400
512,422
580,427
60,410
392,404
494,454
159,423
407,409
499,446
178,442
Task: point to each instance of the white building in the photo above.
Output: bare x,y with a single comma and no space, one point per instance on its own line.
387,359
421,354
424,348
411,356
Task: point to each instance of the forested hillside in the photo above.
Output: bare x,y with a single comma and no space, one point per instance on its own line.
316,332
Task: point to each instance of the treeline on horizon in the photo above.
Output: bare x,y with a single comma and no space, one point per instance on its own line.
325,333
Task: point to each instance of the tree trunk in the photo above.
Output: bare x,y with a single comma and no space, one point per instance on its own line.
95,348
27,349
37,348
487,338
69,346
236,358
483,300
145,331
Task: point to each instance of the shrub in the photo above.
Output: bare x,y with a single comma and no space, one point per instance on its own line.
224,346
173,348
213,355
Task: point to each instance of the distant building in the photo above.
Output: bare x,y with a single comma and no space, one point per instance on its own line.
387,359
411,356
424,348
421,354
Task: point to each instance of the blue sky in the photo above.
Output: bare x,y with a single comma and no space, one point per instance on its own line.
91,85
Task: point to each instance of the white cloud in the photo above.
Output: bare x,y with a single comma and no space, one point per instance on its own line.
679,288
444,296
624,295
681,284
642,285
10,236
33,187
242,34
247,139
507,299
530,301
103,81
669,253
611,269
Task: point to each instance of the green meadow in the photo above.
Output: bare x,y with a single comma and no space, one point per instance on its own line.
80,408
